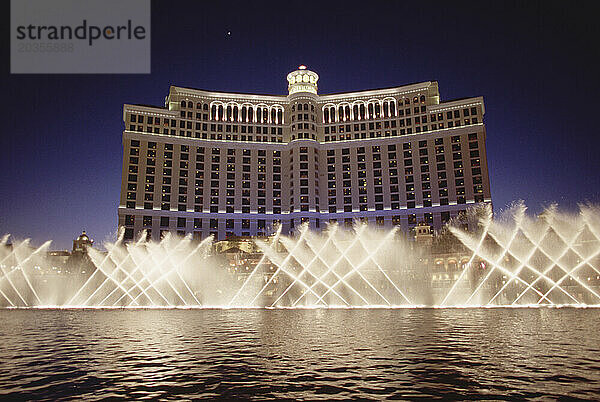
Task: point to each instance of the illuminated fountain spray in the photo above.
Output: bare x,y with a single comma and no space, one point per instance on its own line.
551,259
509,260
18,262
334,268
144,273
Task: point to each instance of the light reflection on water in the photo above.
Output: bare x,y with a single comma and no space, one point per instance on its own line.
313,354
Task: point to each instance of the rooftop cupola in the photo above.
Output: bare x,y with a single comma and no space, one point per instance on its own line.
302,80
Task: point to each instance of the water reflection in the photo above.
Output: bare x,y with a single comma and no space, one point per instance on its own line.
315,354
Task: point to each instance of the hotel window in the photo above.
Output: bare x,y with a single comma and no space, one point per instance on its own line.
129,220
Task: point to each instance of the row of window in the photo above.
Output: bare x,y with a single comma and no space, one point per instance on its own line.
262,226
235,112
395,132
213,223
371,109
385,110
202,150
154,124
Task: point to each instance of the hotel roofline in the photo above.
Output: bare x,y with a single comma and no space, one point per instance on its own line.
409,88
440,107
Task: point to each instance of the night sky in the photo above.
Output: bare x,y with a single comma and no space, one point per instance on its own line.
534,64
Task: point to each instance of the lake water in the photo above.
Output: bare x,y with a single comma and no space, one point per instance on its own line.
498,353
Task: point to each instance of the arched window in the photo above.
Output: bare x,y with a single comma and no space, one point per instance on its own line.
182,103
279,116
326,115
362,111
199,105
190,105
220,116
259,114
347,112
377,110
340,113
415,99
392,108
213,112
265,115
250,114
229,113
273,116
355,112
244,113
236,113
422,98
406,101
371,110
386,109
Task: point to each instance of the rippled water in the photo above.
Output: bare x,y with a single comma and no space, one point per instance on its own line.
300,354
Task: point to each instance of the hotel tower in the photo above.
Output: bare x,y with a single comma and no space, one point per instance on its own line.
233,164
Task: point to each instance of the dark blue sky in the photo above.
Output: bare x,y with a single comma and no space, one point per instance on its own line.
534,64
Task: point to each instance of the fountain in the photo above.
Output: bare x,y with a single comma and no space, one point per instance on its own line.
510,260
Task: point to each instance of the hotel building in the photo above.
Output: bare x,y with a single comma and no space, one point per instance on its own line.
241,164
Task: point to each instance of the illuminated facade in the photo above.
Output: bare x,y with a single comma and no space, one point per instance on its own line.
239,164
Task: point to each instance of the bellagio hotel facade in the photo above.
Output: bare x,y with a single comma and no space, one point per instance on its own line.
231,164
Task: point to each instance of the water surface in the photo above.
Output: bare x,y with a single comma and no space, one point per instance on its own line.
498,353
